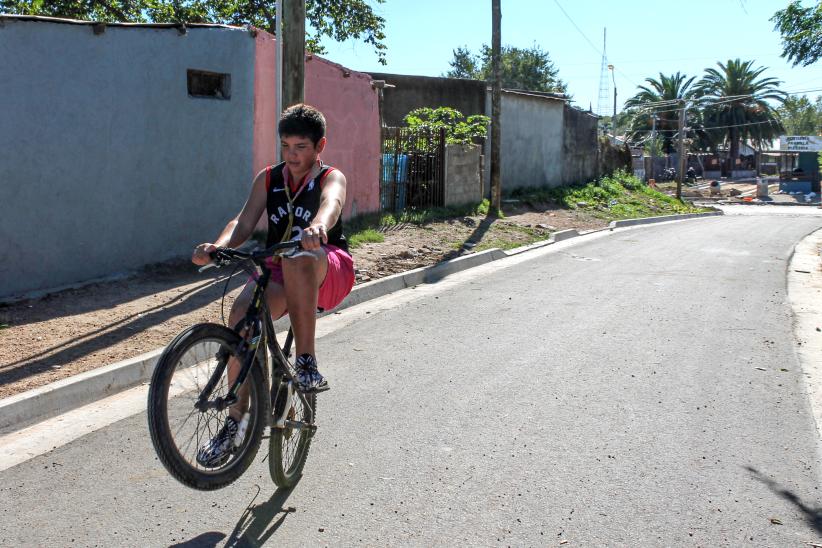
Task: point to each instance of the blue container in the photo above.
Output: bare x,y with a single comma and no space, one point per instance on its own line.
388,175
393,181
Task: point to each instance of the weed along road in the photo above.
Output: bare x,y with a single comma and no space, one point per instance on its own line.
633,388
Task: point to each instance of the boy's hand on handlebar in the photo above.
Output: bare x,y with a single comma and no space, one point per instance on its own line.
202,254
314,237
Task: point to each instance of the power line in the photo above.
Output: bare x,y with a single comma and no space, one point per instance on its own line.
596,49
703,127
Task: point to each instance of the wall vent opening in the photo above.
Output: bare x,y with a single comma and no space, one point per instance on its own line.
214,85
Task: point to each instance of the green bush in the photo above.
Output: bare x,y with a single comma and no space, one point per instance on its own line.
458,129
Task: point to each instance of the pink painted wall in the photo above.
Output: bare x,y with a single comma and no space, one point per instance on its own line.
265,102
351,109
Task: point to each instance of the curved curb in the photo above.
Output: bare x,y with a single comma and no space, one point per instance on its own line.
61,396
66,394
805,296
663,219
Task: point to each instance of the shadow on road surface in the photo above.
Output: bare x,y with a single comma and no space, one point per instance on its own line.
812,515
115,332
258,523
206,540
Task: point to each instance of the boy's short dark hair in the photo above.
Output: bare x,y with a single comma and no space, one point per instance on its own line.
303,121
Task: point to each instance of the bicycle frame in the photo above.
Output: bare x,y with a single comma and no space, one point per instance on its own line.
255,331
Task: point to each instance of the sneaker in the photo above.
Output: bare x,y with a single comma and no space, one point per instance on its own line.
216,451
308,377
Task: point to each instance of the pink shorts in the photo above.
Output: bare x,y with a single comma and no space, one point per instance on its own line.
339,279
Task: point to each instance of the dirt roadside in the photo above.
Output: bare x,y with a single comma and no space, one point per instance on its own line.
65,333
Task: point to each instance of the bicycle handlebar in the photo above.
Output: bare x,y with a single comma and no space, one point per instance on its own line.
223,256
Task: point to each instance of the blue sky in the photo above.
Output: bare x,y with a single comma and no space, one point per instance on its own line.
644,38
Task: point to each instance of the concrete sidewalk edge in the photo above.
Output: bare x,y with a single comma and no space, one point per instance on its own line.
662,219
64,395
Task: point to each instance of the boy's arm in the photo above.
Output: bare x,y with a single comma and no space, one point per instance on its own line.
240,227
331,204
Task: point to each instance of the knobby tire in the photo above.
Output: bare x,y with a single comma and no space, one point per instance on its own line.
183,349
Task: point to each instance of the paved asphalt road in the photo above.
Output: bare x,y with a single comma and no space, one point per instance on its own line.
638,388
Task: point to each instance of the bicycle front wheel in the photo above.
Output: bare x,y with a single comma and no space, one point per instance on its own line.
179,429
288,445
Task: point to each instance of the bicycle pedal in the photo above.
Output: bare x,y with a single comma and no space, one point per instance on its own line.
325,388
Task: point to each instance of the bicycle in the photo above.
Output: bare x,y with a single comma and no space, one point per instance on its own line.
189,396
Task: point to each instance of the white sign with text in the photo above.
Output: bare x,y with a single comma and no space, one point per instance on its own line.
800,143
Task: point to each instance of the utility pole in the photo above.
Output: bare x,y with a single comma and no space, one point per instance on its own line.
293,52
653,145
496,100
681,174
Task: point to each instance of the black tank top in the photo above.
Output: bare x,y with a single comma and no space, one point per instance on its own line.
291,212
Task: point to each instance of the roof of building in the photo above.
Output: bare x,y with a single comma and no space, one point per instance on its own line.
539,94
64,21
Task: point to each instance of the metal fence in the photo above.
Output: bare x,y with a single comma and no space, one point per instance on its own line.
412,168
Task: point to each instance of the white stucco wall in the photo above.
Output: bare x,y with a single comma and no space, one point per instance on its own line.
532,136
106,163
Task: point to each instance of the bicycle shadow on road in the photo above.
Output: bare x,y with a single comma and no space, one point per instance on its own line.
258,523
812,515
206,540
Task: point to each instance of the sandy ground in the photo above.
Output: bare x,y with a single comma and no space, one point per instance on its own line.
65,333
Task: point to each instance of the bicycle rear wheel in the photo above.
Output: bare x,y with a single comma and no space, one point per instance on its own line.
288,446
178,429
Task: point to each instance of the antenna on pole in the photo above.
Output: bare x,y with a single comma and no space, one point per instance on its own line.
604,101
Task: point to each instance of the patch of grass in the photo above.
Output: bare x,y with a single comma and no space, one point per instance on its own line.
618,196
367,235
509,236
413,216
4,326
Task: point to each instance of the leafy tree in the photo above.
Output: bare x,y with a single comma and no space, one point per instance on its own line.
616,125
801,30
464,65
337,19
735,102
801,117
529,69
660,98
458,129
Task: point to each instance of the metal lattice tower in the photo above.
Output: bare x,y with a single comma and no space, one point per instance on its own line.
604,101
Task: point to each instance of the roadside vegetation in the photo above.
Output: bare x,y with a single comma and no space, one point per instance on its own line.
615,197
368,228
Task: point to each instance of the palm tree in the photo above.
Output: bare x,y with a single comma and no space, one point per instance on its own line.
661,98
735,102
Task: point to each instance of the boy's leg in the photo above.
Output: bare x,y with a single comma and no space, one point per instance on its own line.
215,451
275,298
303,276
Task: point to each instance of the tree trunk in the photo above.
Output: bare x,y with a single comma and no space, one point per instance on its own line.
733,150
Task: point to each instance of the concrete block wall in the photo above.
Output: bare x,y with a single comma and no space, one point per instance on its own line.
579,146
463,184
411,92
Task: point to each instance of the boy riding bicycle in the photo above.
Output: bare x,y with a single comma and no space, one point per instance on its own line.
303,199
